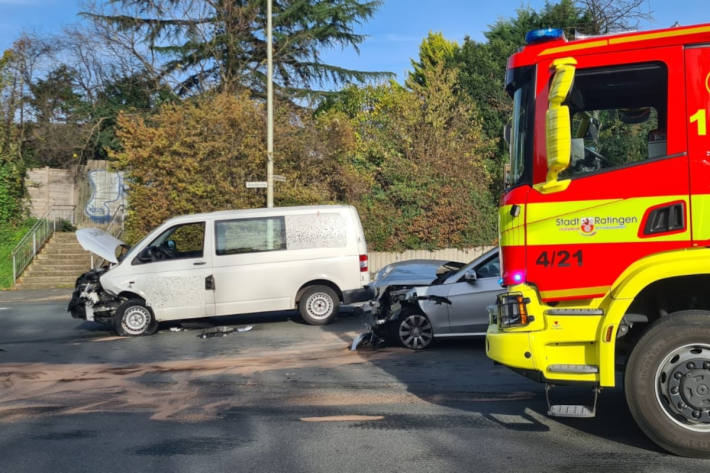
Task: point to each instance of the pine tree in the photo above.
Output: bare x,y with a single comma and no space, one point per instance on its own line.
222,43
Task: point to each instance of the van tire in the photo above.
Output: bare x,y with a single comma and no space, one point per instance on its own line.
318,305
133,319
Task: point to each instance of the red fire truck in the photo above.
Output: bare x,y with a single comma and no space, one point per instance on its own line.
605,225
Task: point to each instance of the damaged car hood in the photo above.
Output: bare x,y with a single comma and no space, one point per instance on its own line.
99,242
419,272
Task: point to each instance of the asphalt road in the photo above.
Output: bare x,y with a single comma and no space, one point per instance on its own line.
284,397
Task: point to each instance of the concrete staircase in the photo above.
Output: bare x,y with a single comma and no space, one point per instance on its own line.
57,265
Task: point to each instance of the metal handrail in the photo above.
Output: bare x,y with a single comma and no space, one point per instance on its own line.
38,235
46,225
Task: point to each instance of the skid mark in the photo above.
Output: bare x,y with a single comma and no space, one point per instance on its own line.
31,389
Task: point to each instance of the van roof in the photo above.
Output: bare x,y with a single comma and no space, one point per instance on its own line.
259,212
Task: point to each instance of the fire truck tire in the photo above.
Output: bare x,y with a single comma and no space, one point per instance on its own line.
667,383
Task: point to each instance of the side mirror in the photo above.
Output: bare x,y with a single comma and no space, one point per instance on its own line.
558,127
145,256
470,276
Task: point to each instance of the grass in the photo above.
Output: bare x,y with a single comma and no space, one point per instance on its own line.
10,235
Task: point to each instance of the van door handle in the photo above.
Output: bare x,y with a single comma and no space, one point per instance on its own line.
199,263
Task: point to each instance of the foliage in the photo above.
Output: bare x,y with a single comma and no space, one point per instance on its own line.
12,169
10,235
222,43
434,50
196,157
417,163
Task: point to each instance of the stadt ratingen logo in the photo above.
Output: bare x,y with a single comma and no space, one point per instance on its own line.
587,226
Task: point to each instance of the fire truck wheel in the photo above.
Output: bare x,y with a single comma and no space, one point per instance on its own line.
667,383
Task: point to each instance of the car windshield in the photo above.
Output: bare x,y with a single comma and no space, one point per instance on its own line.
521,87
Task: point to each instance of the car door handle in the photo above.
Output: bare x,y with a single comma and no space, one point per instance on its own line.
199,263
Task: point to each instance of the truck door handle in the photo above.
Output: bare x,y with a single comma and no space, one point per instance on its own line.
199,263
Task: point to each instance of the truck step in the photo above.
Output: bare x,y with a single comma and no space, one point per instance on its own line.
570,410
577,369
572,311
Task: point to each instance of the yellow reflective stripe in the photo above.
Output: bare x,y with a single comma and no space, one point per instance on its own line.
664,34
700,219
626,39
578,291
574,47
612,221
512,229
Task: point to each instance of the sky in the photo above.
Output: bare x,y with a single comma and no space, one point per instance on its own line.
393,34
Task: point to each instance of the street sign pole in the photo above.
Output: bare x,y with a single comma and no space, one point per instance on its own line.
269,110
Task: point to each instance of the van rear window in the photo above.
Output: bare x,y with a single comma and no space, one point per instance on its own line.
321,230
250,235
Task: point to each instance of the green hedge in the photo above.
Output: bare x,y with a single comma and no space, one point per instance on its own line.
10,235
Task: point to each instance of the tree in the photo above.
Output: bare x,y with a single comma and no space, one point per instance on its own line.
433,51
12,170
208,43
606,16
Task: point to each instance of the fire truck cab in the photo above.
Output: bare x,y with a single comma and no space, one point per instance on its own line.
605,225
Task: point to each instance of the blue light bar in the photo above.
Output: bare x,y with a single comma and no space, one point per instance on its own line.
546,34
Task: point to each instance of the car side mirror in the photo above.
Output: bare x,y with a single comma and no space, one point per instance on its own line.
470,276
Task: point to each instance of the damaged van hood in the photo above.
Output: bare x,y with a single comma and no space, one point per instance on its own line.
99,242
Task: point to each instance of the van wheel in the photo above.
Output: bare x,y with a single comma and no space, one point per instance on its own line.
318,305
667,383
133,319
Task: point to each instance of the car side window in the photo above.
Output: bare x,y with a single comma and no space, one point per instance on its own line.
250,235
178,242
489,269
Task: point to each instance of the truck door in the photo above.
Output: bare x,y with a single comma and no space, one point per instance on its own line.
697,83
625,193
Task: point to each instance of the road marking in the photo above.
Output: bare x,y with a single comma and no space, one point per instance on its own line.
346,418
4,308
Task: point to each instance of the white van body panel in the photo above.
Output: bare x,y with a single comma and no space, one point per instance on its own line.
322,243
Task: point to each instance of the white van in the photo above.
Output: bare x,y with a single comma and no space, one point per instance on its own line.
225,263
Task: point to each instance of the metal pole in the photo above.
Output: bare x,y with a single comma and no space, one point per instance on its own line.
269,110
14,270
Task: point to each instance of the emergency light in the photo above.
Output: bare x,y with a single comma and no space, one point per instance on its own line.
545,34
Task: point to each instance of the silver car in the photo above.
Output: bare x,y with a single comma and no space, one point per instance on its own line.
415,301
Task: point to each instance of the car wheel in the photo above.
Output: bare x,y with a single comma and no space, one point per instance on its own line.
667,383
413,330
318,305
133,319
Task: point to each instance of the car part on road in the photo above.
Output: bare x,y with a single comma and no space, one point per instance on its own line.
134,319
318,305
223,331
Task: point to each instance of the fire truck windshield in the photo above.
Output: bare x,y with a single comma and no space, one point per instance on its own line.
520,84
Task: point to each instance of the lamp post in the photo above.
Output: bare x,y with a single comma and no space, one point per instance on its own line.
269,110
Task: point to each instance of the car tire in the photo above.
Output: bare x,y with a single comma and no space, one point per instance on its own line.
412,330
667,383
318,305
133,319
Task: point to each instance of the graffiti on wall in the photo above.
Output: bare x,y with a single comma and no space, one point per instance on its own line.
108,193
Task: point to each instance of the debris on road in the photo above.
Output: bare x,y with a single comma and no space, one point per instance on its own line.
176,329
223,331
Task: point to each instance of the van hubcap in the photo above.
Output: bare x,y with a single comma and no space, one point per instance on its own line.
319,305
136,319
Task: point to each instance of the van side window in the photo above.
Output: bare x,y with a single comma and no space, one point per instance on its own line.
178,242
318,230
250,235
618,116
